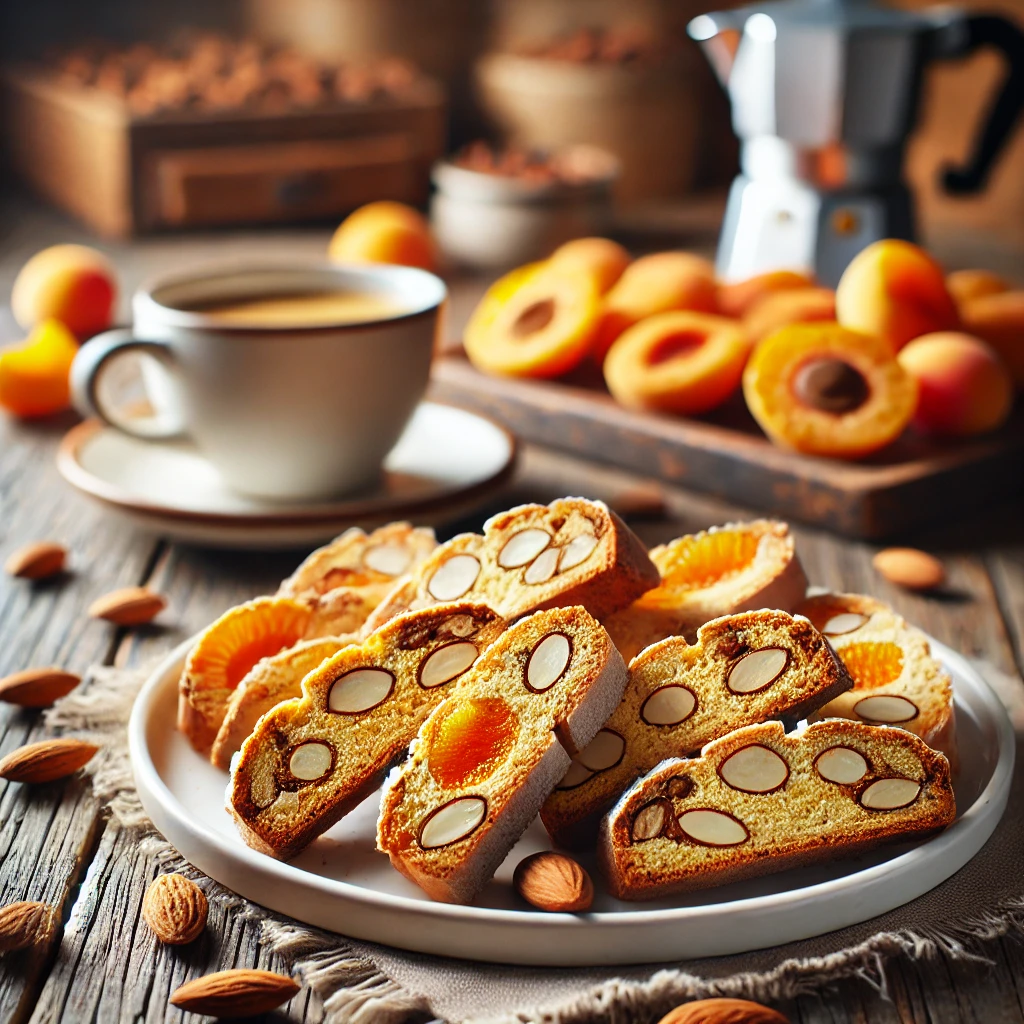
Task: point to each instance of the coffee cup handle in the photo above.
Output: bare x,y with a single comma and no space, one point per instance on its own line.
95,359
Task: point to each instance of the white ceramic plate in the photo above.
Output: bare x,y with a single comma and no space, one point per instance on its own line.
443,466
341,883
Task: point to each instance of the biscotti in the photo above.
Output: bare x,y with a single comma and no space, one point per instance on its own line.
346,579
744,668
270,681
570,552
896,681
758,801
487,756
726,569
310,760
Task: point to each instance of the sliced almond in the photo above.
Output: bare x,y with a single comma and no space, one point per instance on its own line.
238,993
712,828
575,776
446,663
668,705
843,623
456,820
37,561
25,924
389,559
650,820
755,769
841,765
37,687
757,670
604,751
890,794
46,761
454,578
548,661
523,547
543,567
554,882
360,690
311,761
885,708
175,909
129,606
577,551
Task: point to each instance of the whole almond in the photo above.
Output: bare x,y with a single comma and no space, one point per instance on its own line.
552,881
37,687
46,761
175,909
37,561
723,1011
129,606
910,568
26,924
237,993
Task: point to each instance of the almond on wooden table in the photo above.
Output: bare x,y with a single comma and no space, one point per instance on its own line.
175,908
46,761
26,924
129,606
910,568
242,992
37,561
723,1011
552,881
37,687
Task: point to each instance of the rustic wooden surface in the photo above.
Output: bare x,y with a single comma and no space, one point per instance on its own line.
55,844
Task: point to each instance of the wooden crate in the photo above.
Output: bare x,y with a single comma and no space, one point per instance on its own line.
84,151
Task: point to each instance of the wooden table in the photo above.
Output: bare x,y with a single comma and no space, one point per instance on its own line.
56,844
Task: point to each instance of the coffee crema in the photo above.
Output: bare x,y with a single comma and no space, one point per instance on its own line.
307,309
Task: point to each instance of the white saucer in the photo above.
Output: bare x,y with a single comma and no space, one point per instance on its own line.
447,461
341,883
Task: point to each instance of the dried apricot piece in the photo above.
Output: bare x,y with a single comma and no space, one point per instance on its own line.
679,362
825,390
34,377
471,740
872,663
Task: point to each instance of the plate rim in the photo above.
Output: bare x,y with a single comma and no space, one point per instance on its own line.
71,469
152,789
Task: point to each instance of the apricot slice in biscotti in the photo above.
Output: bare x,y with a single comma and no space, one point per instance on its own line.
540,324
826,390
679,362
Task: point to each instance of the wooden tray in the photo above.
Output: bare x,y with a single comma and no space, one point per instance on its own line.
912,483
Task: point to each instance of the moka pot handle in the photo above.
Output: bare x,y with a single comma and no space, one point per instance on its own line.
972,33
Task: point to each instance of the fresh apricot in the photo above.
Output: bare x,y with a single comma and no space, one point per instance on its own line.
999,320
34,376
604,259
70,283
826,390
679,362
538,323
653,284
793,306
739,297
965,285
895,290
384,232
963,386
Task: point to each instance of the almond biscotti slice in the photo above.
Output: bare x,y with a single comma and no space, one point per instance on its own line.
488,755
573,551
311,759
726,569
896,681
270,681
348,578
744,668
758,801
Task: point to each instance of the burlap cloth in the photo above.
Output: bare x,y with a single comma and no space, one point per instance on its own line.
363,983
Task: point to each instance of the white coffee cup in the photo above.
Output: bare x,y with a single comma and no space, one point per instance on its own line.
283,412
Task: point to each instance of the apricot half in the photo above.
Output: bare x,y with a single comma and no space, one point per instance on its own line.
34,377
999,320
965,285
604,259
679,362
538,324
738,298
792,306
825,390
384,232
895,290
